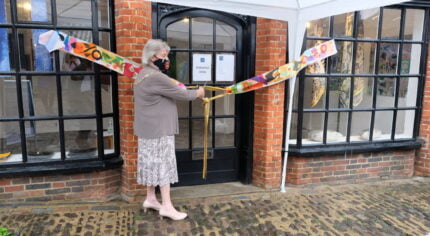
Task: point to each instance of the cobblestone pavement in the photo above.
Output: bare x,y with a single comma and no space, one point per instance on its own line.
400,207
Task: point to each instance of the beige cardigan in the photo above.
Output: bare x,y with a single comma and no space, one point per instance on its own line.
155,111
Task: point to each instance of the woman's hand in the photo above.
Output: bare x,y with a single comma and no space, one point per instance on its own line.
200,92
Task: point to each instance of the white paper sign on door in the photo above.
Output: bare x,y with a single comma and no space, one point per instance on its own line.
202,67
225,67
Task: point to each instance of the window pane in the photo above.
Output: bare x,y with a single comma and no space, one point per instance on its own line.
293,128
33,56
388,58
386,88
337,126
224,132
43,142
182,139
318,28
40,95
225,36
106,84
383,125
343,24
224,105
313,124
7,58
340,90
342,61
365,58
405,124
408,90
10,141
360,125
391,24
179,66
4,11
368,23
411,59
315,89
178,34
363,92
414,24
8,97
319,67
108,135
78,95
198,133
104,13
34,10
80,138
74,13
104,40
202,29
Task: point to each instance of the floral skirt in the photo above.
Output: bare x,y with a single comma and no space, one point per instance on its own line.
156,164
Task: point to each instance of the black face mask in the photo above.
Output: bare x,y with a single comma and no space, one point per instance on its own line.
162,64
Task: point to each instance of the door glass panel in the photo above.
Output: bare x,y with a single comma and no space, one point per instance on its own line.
183,108
34,10
43,142
80,138
224,105
198,133
368,23
182,139
224,132
40,93
74,13
225,36
414,24
197,107
202,29
10,141
178,34
391,24
179,66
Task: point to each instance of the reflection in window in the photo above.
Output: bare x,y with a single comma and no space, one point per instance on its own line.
368,23
181,139
343,25
74,13
80,138
225,36
43,93
405,124
388,58
342,61
179,66
78,95
32,55
411,54
340,91
383,125
360,126
391,24
365,58
10,141
414,24
337,125
202,29
224,132
385,92
6,60
313,124
4,11
34,10
318,28
407,92
43,142
178,34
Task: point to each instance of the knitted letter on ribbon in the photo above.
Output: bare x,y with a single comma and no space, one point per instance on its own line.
54,40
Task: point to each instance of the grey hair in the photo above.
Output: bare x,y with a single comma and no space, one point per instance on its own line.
152,47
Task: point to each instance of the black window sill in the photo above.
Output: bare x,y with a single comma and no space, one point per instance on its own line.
67,167
353,148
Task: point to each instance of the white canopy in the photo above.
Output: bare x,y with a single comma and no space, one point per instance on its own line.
296,13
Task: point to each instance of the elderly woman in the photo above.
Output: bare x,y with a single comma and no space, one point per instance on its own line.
156,123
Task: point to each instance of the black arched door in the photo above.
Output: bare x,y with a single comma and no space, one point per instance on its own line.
210,48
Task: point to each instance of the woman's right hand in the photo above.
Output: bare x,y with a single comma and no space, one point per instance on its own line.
200,92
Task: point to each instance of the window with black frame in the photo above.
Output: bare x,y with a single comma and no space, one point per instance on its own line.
55,107
369,91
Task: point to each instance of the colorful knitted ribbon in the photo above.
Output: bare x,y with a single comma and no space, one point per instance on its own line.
54,40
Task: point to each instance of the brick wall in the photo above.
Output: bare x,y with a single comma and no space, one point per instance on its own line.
133,29
269,105
95,186
422,163
358,168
